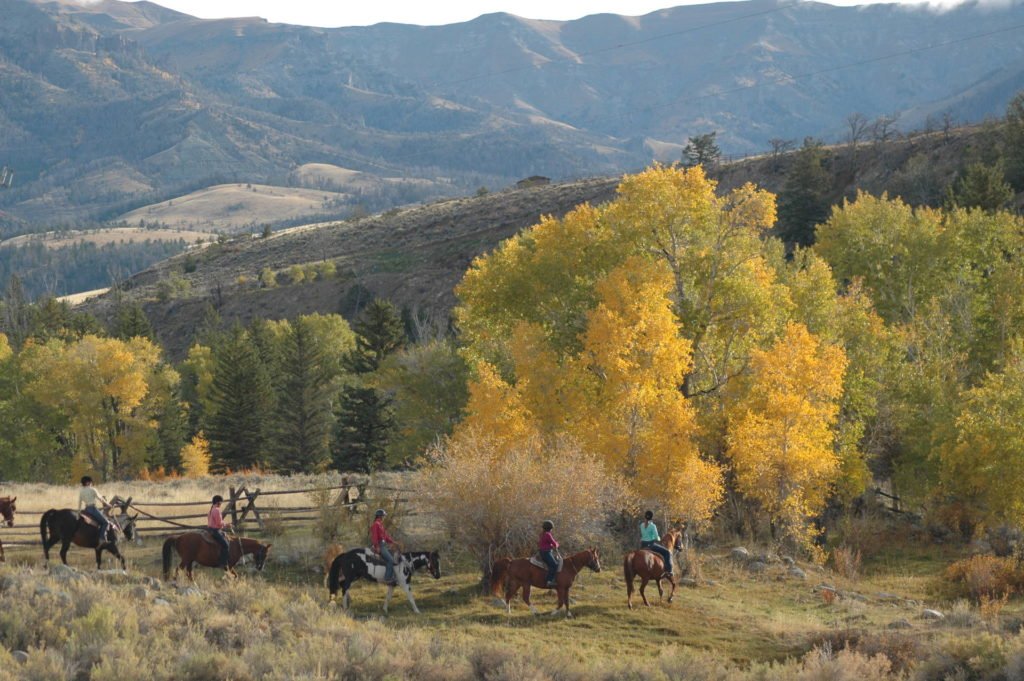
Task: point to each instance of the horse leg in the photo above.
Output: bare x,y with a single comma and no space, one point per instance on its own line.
510,591
672,593
99,554
64,546
346,584
408,594
563,599
643,585
387,598
629,591
526,599
661,593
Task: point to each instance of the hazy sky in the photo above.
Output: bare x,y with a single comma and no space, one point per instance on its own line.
362,12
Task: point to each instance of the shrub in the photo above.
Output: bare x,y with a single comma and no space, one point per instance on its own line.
490,495
985,576
296,274
846,561
326,270
268,279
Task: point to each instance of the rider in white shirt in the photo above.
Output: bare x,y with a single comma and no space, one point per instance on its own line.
89,499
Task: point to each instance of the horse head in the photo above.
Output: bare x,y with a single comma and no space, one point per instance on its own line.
261,556
593,559
434,565
7,509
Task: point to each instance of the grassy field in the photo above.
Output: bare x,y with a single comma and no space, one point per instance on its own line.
104,236
735,621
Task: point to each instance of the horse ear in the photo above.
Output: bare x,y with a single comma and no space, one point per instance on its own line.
13,499
267,546
135,517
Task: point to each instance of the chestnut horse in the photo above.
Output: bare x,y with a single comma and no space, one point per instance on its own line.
521,573
648,565
7,510
195,548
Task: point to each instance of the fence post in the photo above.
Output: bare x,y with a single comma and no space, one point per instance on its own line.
251,506
233,504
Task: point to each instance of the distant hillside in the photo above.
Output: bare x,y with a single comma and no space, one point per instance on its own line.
108,107
415,256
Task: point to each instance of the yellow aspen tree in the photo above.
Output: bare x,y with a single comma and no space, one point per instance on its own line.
984,467
495,410
100,386
195,457
780,432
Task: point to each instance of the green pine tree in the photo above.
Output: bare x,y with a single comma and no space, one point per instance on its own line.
364,425
241,402
379,332
804,200
980,186
304,417
131,322
702,150
1014,142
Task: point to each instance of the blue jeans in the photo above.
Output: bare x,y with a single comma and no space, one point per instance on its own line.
549,558
101,520
666,555
389,562
219,537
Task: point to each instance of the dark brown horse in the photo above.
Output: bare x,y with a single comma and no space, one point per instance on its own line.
7,510
193,548
67,527
648,565
518,573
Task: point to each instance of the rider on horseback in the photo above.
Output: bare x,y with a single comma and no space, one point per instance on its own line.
547,546
380,539
215,525
649,539
88,498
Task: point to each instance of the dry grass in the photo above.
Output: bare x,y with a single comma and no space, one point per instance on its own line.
229,207
737,625
102,237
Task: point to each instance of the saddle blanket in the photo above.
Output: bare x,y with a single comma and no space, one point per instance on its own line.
535,559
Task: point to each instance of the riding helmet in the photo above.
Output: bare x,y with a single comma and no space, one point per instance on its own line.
380,513
649,515
217,499
547,525
86,479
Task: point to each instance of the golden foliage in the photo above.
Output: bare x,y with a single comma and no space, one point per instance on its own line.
195,457
780,433
108,391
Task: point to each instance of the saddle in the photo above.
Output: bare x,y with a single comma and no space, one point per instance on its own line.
535,559
206,535
112,527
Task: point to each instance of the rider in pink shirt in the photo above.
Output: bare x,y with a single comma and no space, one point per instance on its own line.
547,546
215,526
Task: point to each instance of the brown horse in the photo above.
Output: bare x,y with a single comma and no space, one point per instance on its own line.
521,573
648,565
7,510
195,548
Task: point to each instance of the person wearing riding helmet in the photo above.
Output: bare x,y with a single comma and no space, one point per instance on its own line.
649,539
547,546
215,525
380,539
88,499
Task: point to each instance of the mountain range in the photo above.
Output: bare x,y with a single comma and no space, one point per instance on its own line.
110,106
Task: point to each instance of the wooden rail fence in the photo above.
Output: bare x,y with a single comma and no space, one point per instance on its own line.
247,516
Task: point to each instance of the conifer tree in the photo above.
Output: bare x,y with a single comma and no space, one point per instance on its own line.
1014,147
980,186
702,150
131,322
803,202
363,429
241,403
379,332
304,416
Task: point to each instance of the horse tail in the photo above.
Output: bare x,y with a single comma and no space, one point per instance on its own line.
628,572
168,549
44,523
333,577
498,576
